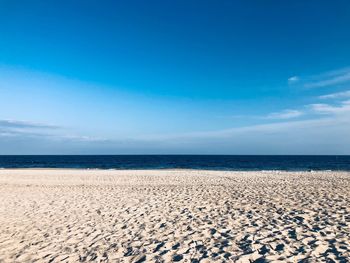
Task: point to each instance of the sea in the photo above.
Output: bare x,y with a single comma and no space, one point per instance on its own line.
206,162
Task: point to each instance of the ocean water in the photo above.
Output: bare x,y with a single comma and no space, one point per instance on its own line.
209,162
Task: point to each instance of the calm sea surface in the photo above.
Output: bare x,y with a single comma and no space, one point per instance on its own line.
210,162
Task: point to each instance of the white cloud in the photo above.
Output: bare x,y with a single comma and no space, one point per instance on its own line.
285,114
25,124
329,78
293,79
323,108
27,129
337,95
81,138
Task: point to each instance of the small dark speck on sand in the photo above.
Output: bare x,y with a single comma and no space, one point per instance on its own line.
177,257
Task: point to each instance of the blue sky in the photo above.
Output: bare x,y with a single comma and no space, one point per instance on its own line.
192,77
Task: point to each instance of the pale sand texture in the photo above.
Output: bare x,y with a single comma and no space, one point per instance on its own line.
173,215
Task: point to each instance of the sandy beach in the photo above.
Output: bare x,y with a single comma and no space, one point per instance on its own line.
173,216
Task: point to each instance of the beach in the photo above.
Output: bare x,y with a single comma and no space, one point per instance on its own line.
67,215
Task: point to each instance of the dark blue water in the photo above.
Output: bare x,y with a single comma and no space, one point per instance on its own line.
210,162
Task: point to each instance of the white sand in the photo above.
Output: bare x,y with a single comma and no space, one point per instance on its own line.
174,215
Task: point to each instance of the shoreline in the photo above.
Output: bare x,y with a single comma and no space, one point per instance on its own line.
174,169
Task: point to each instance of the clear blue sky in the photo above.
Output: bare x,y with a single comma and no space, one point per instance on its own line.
221,77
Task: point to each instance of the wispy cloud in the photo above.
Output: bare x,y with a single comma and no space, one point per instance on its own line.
330,78
27,129
285,114
81,138
22,133
284,128
293,80
25,124
280,115
17,128
325,130
323,108
337,95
